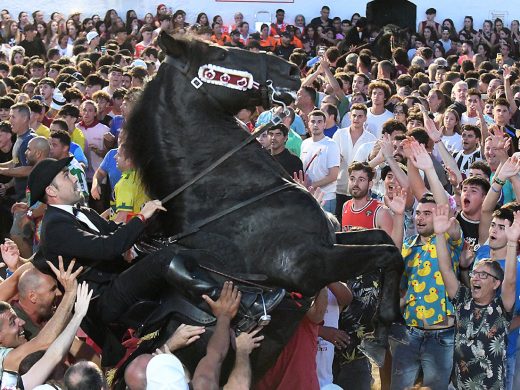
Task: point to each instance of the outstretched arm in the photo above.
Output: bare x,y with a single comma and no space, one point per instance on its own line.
509,284
240,377
53,328
207,373
441,224
39,373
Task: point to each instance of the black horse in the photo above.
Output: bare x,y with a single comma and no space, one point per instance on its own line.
264,223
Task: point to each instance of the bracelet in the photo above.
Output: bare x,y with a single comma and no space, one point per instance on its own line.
496,191
436,142
499,181
140,216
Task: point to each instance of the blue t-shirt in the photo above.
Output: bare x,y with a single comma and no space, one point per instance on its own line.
109,166
116,125
484,252
78,154
330,131
297,125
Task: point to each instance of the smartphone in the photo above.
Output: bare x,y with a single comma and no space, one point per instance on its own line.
499,57
103,49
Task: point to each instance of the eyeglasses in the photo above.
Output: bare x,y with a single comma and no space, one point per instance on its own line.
481,275
398,112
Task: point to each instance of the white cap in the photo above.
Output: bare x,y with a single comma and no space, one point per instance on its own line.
91,35
58,101
139,63
165,372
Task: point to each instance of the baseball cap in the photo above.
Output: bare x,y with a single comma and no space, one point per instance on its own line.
165,372
91,35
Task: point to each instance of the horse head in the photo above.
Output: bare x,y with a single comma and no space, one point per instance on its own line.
230,78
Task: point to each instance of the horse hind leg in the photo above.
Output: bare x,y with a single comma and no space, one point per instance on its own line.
382,258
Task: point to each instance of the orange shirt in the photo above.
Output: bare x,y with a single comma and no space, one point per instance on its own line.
268,43
223,39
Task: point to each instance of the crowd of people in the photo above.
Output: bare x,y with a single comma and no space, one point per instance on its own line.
422,145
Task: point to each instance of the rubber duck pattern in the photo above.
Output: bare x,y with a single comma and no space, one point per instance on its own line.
426,300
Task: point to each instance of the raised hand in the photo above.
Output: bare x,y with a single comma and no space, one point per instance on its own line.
510,168
441,219
452,177
246,342
228,302
67,278
420,157
407,147
183,336
398,202
83,297
387,147
10,254
302,179
513,231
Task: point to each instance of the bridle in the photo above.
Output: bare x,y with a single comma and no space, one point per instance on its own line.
226,77
212,74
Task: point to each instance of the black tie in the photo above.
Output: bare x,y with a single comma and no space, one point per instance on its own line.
75,210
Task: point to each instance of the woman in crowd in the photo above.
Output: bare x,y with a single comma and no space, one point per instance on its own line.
448,23
451,130
202,19
51,35
430,36
468,33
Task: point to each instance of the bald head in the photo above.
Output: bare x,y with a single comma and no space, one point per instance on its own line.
31,280
41,144
135,373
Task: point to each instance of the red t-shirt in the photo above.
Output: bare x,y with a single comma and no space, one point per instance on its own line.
364,218
295,368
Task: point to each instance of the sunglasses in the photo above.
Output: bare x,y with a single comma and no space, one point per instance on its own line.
481,275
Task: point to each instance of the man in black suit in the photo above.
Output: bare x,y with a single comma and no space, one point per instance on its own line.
98,245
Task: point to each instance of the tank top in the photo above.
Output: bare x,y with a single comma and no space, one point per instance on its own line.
364,218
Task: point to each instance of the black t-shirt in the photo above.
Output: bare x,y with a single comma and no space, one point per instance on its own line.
289,162
34,48
469,229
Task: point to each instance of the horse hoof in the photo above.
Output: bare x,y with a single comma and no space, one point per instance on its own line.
375,350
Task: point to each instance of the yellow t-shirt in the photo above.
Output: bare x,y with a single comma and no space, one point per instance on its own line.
43,131
129,193
78,137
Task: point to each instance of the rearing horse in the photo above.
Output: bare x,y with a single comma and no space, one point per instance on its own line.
184,122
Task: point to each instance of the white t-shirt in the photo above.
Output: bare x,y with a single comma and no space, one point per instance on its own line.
317,158
375,122
347,152
466,120
364,151
325,354
452,142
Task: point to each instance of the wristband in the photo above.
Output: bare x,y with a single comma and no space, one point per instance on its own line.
436,142
8,273
499,181
495,191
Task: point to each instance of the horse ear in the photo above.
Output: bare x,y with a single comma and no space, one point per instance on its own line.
172,46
